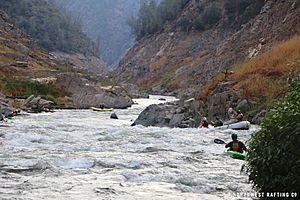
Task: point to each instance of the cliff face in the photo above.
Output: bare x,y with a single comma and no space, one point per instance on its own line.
181,58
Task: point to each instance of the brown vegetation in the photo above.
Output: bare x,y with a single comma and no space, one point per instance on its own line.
266,76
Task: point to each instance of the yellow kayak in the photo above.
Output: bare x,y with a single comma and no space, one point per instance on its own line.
102,109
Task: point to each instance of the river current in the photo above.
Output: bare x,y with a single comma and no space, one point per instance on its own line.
81,154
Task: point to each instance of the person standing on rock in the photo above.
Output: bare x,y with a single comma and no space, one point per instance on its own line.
239,116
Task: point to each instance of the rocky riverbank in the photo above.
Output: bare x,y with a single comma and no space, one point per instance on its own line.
188,113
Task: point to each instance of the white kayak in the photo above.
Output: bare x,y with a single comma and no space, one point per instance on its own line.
243,125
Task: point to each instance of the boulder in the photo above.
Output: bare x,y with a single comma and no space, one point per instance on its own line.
7,111
163,115
37,104
114,116
177,120
5,108
153,115
244,106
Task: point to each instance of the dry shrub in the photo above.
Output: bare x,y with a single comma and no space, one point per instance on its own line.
264,76
274,61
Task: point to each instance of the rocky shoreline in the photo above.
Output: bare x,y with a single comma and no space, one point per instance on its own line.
188,113
178,114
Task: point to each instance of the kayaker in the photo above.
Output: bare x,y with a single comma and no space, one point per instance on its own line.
197,117
236,145
218,122
204,123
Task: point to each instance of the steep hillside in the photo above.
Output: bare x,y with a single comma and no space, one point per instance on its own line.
26,69
105,21
22,62
55,30
52,27
189,51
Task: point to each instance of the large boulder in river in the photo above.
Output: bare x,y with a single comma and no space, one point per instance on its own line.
5,108
163,115
37,104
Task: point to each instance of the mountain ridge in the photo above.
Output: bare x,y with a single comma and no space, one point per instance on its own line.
180,61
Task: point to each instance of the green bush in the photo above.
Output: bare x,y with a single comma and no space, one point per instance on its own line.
26,88
274,154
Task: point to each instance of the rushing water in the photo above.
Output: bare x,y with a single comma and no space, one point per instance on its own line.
81,154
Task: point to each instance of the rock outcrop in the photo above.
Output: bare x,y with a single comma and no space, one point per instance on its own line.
80,61
165,115
86,93
5,108
37,104
183,59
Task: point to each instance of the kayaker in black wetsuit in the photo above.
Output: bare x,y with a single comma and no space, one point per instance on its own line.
236,145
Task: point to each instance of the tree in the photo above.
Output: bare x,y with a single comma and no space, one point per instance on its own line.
152,17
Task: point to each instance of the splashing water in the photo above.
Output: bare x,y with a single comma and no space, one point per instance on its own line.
81,154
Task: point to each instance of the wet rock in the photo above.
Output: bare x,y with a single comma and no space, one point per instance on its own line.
176,120
153,115
114,116
5,108
163,115
7,111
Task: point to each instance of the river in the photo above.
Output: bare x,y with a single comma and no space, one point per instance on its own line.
81,154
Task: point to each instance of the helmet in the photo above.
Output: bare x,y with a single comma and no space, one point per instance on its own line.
204,118
234,136
217,118
238,111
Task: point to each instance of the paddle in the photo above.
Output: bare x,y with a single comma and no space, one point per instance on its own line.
219,141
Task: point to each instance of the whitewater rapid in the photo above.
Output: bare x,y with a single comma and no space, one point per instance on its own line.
81,154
